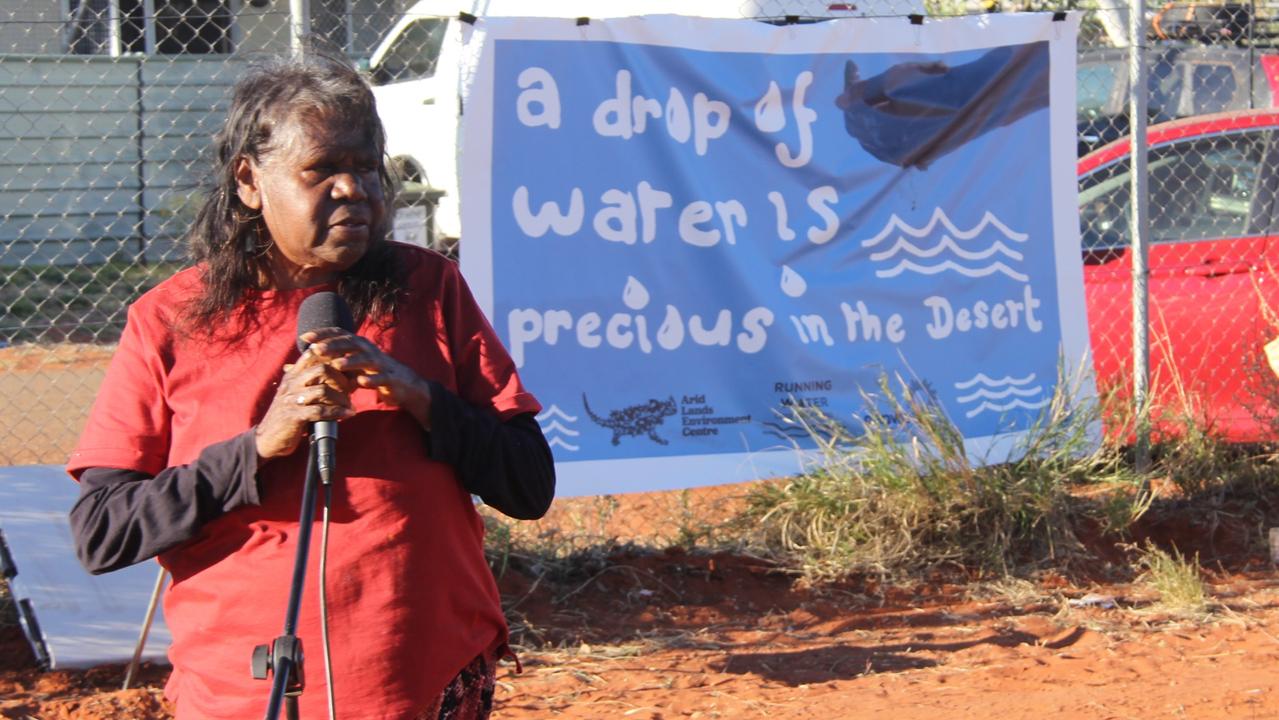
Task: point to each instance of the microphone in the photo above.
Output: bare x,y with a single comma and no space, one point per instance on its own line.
324,310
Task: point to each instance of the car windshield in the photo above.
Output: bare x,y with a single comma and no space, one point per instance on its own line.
1094,85
1164,86
1097,94
414,53
1214,88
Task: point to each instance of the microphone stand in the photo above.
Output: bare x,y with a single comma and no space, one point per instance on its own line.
282,659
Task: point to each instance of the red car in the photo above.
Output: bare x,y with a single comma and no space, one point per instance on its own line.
1214,256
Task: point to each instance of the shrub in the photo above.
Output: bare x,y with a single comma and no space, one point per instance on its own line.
903,492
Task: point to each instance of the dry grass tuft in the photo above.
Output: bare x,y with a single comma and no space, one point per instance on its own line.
1175,580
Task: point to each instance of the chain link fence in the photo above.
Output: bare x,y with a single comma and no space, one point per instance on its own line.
107,108
1208,183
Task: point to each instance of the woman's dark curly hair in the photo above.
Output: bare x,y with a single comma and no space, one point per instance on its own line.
231,240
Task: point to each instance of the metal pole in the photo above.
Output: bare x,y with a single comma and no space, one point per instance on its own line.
1252,55
148,27
140,198
113,28
1140,224
299,25
350,28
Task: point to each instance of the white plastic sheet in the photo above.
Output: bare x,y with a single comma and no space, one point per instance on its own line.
83,620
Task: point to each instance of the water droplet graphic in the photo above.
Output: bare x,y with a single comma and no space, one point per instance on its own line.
792,284
671,334
769,116
635,295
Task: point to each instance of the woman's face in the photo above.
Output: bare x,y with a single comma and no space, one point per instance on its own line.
320,196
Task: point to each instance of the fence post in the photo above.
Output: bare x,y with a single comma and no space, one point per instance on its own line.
299,25
113,28
1140,206
140,127
148,27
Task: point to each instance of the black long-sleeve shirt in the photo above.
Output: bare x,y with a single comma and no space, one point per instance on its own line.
124,516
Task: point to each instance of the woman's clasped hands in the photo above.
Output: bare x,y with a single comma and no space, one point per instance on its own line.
319,386
310,390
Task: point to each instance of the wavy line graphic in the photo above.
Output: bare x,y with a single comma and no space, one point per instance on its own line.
556,426
947,243
995,267
556,441
1007,406
896,224
983,393
984,380
555,411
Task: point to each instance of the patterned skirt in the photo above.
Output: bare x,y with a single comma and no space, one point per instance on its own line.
470,694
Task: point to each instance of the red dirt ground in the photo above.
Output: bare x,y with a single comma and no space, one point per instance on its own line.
661,636
670,635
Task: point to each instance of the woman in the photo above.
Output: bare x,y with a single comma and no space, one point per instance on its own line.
194,450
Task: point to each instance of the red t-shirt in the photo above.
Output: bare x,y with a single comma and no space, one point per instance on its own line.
411,598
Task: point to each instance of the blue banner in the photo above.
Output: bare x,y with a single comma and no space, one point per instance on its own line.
683,228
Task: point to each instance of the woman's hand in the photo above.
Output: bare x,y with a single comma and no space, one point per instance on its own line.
367,366
310,391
